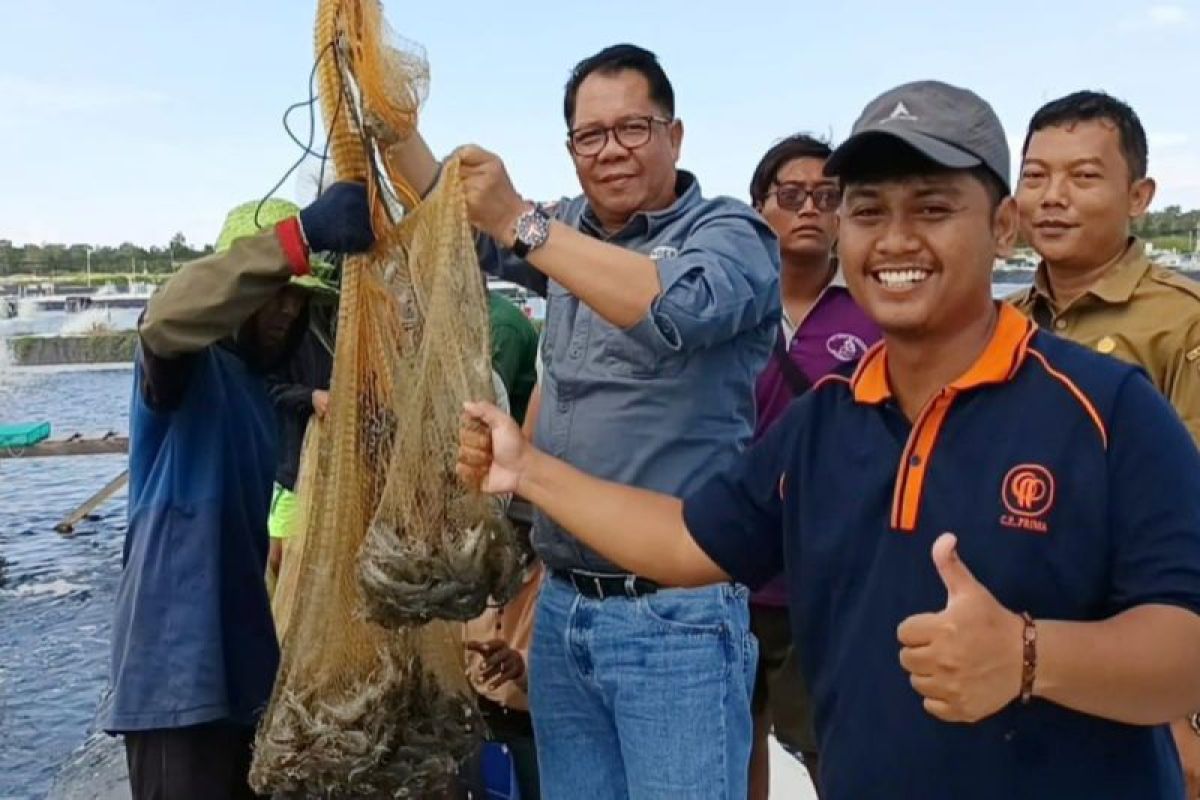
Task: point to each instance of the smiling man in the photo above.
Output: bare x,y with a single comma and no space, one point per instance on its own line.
1083,182
662,307
990,536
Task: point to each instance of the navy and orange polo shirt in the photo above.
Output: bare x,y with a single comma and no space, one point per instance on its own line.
1075,494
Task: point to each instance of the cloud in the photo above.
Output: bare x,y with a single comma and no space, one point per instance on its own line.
1168,140
1178,175
1160,17
30,231
1175,164
30,95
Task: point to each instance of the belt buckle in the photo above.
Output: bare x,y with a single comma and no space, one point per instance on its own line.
631,587
599,587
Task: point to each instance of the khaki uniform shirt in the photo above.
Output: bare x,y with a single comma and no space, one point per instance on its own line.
1138,312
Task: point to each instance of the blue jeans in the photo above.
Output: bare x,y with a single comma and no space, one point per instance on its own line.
642,699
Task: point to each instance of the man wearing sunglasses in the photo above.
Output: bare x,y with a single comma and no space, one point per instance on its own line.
822,330
662,309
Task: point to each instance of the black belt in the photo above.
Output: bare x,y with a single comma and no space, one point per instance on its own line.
599,585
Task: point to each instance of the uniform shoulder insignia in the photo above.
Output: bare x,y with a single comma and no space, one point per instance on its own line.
1176,280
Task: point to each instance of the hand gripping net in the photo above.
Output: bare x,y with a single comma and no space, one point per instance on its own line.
365,703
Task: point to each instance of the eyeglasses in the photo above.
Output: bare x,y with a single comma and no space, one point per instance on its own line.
631,133
793,196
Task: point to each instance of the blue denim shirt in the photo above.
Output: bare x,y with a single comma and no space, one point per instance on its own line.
666,403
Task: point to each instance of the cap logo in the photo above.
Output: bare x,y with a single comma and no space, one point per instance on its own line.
900,112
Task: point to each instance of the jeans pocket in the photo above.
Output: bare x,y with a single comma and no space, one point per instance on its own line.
694,612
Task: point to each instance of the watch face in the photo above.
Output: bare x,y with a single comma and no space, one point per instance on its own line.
533,227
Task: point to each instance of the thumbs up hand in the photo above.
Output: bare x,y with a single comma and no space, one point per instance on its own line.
965,660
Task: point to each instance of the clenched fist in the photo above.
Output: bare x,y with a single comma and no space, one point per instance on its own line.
491,450
493,205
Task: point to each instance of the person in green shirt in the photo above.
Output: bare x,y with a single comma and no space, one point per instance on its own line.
514,351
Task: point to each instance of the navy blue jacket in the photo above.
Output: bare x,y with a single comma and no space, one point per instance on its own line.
193,638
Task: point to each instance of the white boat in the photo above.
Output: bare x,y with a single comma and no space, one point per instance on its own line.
106,297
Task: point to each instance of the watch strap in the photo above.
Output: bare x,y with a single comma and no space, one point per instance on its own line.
520,248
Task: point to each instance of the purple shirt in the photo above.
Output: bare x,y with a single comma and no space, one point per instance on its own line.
835,332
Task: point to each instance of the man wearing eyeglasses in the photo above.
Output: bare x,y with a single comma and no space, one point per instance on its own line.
662,308
823,330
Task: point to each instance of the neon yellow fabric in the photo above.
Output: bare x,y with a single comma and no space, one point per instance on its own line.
285,513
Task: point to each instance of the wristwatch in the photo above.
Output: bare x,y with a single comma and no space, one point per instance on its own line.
530,231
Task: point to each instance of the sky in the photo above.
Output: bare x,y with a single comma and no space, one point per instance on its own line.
131,120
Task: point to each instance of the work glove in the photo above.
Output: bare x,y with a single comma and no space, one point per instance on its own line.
339,221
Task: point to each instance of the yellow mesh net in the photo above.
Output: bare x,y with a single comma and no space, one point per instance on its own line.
371,696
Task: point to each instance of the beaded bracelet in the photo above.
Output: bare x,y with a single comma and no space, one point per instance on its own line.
1029,658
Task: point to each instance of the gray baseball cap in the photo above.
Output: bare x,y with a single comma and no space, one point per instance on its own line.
950,126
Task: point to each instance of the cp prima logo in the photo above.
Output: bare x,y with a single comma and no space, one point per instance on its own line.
1028,495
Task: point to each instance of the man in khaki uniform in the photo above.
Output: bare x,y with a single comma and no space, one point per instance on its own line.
1083,182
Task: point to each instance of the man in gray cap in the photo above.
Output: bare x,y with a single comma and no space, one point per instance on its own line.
1021,514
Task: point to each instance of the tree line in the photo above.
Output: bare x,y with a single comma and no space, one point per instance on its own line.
1171,228
55,260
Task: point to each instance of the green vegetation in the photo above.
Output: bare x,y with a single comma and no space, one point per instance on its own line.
102,348
1170,229
74,279
1181,244
69,263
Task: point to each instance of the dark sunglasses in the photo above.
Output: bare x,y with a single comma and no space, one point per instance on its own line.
793,196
